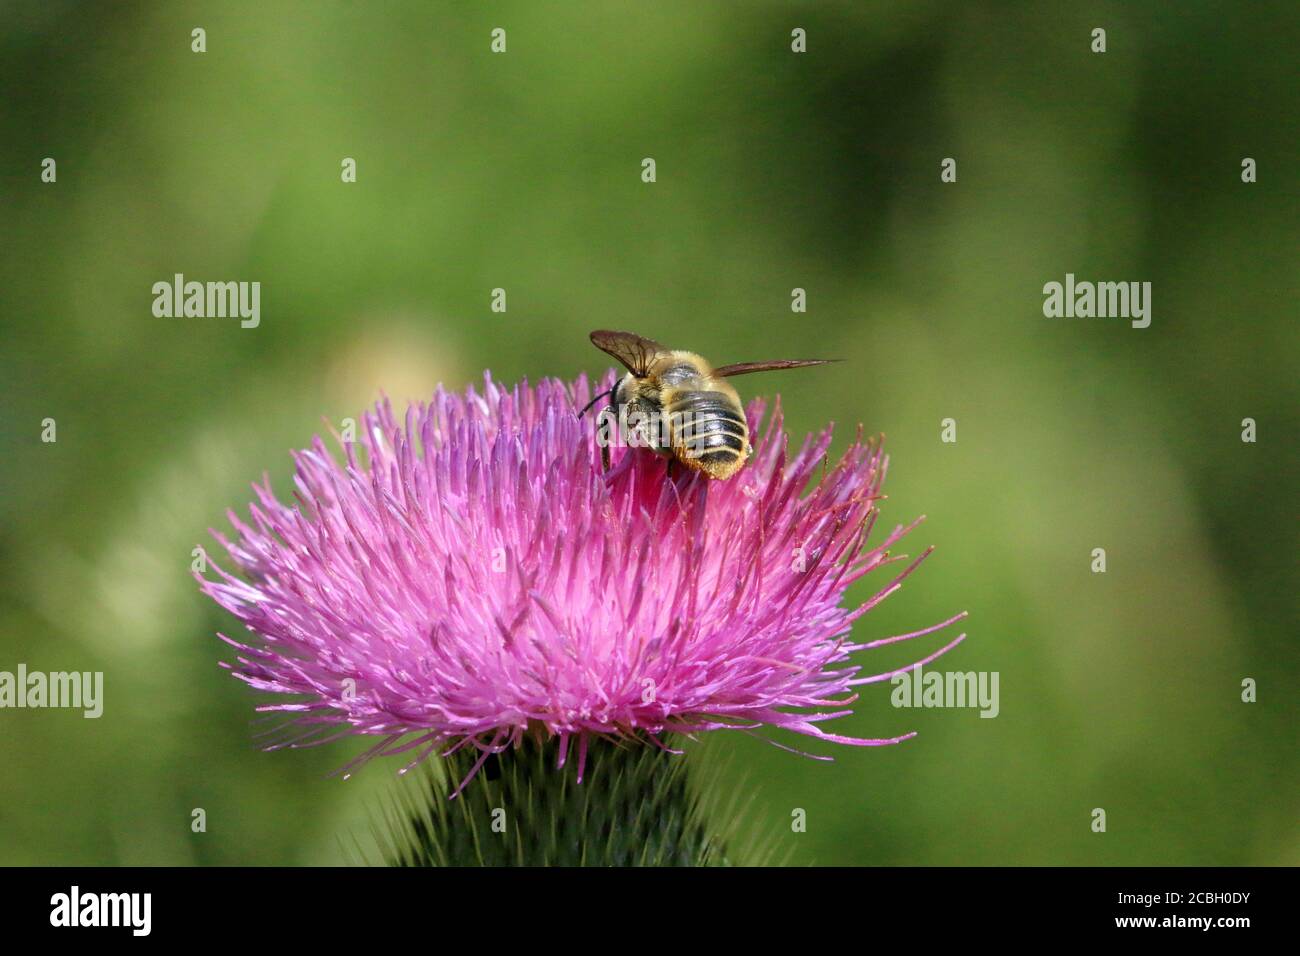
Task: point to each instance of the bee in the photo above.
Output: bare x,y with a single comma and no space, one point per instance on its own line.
679,405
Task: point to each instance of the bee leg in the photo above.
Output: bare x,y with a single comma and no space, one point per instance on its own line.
604,446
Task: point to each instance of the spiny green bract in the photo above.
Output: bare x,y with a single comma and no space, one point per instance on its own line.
633,808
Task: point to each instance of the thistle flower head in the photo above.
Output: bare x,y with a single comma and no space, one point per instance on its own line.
469,575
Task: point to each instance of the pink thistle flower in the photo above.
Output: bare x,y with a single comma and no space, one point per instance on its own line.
470,575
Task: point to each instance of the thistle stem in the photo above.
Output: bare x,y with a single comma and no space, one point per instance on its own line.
634,807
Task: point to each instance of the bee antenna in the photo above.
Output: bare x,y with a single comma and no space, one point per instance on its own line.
587,407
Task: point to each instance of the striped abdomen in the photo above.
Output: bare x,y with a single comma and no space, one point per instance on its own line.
708,427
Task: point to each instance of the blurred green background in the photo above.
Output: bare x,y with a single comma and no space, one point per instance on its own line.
775,170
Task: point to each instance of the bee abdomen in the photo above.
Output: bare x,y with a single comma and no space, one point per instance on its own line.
709,428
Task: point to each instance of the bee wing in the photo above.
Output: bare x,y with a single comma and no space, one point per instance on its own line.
634,351
744,368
